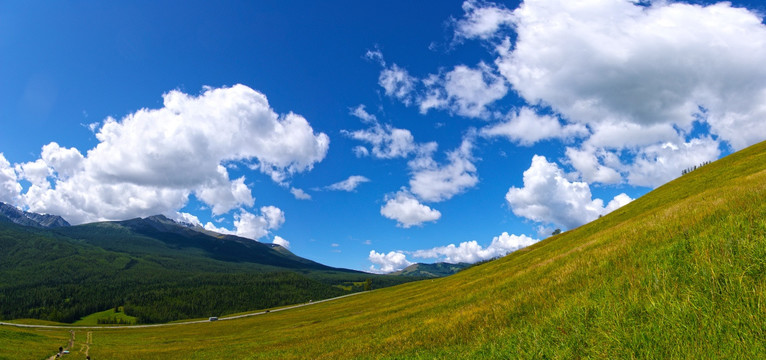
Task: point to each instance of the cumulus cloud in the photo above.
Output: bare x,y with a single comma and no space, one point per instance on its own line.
471,251
300,194
185,218
464,91
482,20
397,83
252,226
664,64
526,127
152,160
281,242
657,164
549,197
10,189
387,142
393,261
588,162
349,184
434,182
407,210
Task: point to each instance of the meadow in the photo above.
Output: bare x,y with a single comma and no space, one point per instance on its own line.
679,273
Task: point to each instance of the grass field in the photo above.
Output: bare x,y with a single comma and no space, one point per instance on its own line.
107,317
679,273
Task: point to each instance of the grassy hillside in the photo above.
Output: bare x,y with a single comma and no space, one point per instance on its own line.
679,273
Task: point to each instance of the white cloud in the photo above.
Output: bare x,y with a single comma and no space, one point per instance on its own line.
274,216
184,217
150,161
300,194
433,182
10,189
655,67
393,261
223,194
464,91
221,230
526,127
657,164
36,172
407,210
471,251
549,198
349,184
65,162
397,83
387,142
375,55
586,162
361,151
482,20
363,115
281,242
253,226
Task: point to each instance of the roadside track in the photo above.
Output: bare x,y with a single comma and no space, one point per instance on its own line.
178,323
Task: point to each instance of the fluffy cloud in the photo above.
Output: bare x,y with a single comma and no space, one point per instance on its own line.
482,20
349,184
281,242
471,251
433,182
252,226
664,64
398,83
223,195
527,127
393,261
464,91
587,162
150,161
387,142
185,218
407,210
549,197
10,189
300,194
657,164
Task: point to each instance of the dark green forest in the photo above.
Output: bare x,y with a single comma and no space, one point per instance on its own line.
158,270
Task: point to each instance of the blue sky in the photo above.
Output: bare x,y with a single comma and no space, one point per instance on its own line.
370,135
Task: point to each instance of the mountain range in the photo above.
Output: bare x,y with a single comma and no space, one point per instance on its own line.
156,268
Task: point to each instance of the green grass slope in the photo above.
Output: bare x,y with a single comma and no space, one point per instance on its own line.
679,273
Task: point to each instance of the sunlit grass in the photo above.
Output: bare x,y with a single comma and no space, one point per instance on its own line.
679,273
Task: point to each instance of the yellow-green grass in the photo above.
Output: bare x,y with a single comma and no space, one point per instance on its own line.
679,273
35,322
106,317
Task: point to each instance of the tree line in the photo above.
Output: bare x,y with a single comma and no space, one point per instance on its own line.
690,169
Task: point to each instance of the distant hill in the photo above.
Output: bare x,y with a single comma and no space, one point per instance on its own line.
158,269
20,217
431,270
